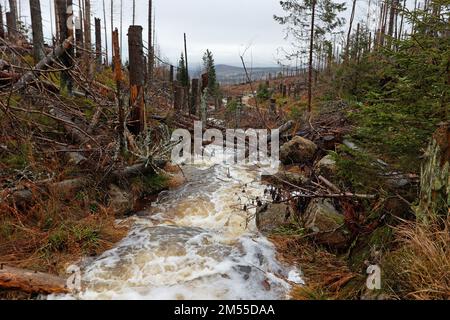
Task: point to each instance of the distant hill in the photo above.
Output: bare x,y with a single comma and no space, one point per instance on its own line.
231,75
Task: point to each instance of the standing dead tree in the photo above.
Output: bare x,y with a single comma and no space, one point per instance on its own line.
2,30
65,27
118,78
38,37
98,42
87,37
11,18
106,33
137,123
150,42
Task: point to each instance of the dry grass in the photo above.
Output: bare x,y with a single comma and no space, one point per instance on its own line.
420,267
55,232
327,277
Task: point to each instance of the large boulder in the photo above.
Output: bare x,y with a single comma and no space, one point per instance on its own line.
298,150
327,223
271,217
326,167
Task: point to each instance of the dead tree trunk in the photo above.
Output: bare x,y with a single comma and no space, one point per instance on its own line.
38,37
87,38
2,29
79,32
98,42
10,27
178,96
64,16
150,42
12,21
137,80
118,77
171,76
195,97
311,49
435,191
106,33
347,47
31,282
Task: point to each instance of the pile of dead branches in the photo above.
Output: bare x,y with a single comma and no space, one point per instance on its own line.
78,125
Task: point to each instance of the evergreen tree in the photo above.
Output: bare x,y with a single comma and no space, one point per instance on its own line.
181,72
310,21
210,69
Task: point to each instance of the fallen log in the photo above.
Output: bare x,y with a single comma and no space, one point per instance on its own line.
31,282
44,64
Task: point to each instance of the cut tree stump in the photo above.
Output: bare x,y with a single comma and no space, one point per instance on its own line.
31,282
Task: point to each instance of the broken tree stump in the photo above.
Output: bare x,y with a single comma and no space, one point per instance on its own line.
195,97
137,123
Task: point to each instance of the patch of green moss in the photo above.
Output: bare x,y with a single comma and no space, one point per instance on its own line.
149,184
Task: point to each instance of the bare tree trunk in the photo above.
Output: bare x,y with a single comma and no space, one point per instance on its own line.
31,282
118,77
150,42
2,29
352,18
121,26
106,34
38,37
98,41
187,69
311,48
12,23
134,12
79,32
137,80
88,37
63,13
195,100
400,34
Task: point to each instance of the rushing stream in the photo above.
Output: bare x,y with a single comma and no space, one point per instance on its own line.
195,242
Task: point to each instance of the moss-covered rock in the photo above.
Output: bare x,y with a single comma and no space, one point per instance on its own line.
327,223
298,150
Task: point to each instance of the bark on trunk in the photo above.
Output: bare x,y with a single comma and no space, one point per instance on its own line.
12,21
137,80
31,282
98,41
2,29
36,25
311,48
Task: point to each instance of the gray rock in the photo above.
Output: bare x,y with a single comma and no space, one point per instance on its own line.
326,167
323,219
298,150
294,178
271,217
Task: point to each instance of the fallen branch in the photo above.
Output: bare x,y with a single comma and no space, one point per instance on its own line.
44,64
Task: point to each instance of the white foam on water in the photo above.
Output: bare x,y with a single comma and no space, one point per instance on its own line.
195,243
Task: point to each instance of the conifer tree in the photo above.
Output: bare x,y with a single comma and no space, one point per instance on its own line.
181,72
310,21
210,69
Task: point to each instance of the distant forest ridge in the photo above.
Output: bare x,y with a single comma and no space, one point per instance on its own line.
233,75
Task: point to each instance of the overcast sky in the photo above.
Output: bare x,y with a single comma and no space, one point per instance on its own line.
226,27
